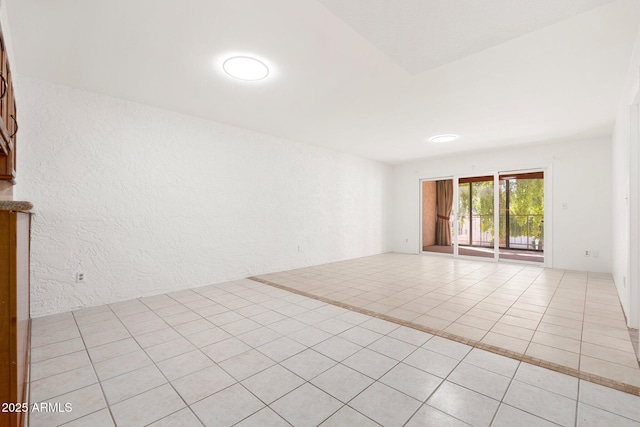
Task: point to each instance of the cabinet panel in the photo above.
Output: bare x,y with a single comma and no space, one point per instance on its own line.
15,321
8,119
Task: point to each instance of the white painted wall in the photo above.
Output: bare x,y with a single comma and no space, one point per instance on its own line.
625,195
146,201
581,178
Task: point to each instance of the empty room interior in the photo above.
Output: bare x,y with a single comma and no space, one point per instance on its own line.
320,212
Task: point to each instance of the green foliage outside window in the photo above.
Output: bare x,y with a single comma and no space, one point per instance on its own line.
526,208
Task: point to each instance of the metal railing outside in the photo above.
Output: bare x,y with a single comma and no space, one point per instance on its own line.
525,232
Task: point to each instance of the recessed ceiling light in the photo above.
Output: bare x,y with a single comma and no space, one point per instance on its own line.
245,68
443,138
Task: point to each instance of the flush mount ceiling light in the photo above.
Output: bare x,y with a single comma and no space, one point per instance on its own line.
443,138
245,68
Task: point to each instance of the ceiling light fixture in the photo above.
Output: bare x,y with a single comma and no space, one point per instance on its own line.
245,68
443,138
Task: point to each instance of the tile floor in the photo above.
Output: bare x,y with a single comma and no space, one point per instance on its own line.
248,354
572,319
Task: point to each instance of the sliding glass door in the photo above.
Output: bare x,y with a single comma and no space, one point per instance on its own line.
475,225
498,216
437,220
522,216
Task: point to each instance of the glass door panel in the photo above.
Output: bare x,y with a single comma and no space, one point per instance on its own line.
437,218
475,225
522,216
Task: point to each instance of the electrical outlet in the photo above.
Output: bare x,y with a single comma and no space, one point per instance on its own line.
406,240
587,253
79,277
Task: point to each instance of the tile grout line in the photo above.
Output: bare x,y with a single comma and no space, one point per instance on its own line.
627,388
314,325
584,313
104,396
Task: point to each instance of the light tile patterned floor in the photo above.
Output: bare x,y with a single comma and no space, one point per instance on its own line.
570,318
248,354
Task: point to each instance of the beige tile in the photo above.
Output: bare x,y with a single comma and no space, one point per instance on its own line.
132,383
38,354
480,380
503,341
246,364
562,321
546,379
556,341
553,407
403,314
385,405
626,358
554,355
620,333
610,400
476,322
184,364
521,304
442,313
484,314
346,417
122,364
560,331
157,337
157,403
607,341
613,371
58,365
492,362
202,383
101,418
525,314
509,416
519,321
341,382
432,322
466,331
513,331
306,406
114,349
453,307
55,385
559,312
615,323
477,410
83,402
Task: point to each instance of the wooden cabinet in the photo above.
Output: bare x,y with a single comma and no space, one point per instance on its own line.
8,118
15,319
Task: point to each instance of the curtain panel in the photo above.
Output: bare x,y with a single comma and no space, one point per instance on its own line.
444,206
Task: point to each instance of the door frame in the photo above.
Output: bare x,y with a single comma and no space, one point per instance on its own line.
420,219
548,209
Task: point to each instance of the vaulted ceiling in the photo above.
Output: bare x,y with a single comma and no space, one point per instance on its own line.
374,78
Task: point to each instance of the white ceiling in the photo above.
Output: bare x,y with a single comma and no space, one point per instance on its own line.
360,76
421,35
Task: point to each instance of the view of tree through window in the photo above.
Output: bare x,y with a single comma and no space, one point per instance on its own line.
475,227
521,211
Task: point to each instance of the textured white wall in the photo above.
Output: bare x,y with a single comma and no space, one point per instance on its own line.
581,178
145,201
624,194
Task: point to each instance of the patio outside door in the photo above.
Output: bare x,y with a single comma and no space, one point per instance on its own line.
475,222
